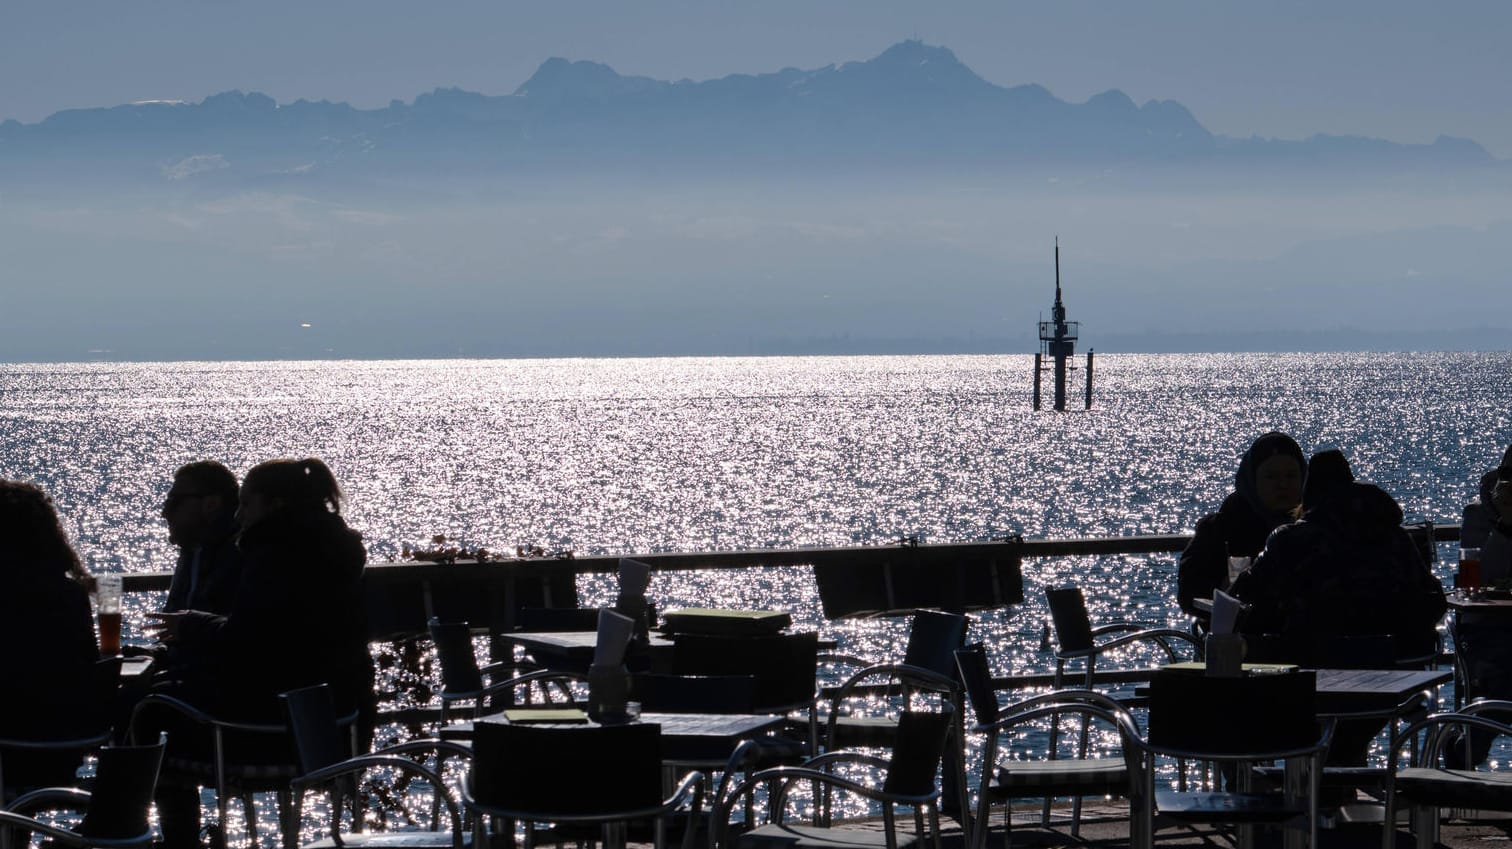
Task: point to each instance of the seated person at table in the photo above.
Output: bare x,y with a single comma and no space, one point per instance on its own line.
201,514
297,621
1267,492
1346,569
1484,641
44,608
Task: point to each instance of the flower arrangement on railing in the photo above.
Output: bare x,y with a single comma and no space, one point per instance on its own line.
448,550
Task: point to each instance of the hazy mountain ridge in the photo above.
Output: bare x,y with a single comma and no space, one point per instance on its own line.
914,103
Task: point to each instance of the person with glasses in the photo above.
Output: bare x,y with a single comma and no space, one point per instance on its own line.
201,514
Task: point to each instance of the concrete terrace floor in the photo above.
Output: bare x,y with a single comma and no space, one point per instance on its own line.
1105,825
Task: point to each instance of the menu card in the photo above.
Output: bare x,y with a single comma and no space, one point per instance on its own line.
614,633
1225,613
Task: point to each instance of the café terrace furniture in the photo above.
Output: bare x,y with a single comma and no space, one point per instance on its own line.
115,808
227,766
572,775
107,673
462,679
1058,772
1243,720
1077,640
324,748
909,777
1423,786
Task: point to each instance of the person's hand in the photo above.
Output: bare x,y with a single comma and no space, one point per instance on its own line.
164,627
1501,499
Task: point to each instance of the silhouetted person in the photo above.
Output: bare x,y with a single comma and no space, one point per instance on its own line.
1267,494
201,514
1484,641
1346,569
50,676
297,621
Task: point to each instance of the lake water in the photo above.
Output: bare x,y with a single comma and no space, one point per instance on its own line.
640,455
643,455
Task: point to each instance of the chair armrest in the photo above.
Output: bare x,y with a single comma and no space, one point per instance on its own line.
49,799
443,748
14,821
1436,724
362,763
200,716
1159,635
544,677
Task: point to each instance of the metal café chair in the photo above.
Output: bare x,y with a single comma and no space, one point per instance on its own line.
1059,773
1077,639
64,754
606,776
908,777
115,809
324,745
1241,721
1423,786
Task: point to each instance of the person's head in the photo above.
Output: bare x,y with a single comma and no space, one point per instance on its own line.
301,486
1328,474
32,539
202,494
1270,475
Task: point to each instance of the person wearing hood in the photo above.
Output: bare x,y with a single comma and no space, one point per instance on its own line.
1483,641
1347,568
1267,491
297,621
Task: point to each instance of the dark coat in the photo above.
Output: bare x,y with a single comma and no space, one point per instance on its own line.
53,674
51,678
298,621
1348,568
1237,529
218,563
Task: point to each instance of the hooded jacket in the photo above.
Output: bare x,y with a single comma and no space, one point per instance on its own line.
1346,569
297,621
1239,528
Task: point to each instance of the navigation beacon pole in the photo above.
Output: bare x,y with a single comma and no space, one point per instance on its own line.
1058,340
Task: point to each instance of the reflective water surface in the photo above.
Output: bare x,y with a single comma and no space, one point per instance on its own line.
642,455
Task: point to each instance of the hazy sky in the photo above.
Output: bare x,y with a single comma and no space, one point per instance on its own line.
1398,69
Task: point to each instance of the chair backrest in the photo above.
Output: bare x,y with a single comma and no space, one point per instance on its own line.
318,738
1365,651
550,619
1193,712
665,693
915,762
125,780
566,771
454,652
976,675
784,665
933,639
1068,613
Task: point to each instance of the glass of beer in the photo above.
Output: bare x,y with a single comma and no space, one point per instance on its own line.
1469,570
108,606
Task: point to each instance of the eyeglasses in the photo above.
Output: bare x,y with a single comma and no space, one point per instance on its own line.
176,498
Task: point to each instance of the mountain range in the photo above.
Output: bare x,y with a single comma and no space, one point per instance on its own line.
914,104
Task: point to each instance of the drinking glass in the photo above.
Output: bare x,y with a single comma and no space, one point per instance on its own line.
108,606
1469,570
1238,566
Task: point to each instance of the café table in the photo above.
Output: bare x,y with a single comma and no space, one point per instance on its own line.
686,737
571,651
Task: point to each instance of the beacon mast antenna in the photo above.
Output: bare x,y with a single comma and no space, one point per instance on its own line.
1058,342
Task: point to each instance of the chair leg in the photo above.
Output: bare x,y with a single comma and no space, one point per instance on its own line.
1425,825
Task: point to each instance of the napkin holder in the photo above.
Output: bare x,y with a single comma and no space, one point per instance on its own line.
608,693
1224,655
